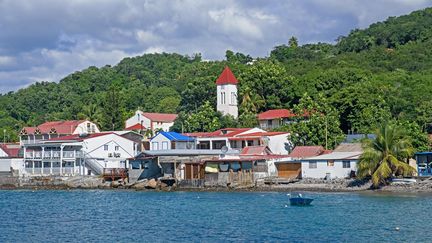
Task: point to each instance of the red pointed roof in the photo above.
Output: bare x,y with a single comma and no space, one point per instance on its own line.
60,127
226,77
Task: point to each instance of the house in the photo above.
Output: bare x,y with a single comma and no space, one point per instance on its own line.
171,140
11,161
330,166
226,90
273,119
290,168
79,154
55,129
253,162
424,163
152,122
239,138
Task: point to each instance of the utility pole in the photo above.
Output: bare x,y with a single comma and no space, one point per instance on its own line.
4,136
326,132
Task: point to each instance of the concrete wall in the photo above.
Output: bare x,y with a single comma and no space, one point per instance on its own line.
95,147
160,142
229,104
277,144
336,171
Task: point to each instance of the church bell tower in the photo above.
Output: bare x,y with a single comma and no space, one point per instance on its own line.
227,93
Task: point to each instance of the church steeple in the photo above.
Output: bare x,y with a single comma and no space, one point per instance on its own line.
227,93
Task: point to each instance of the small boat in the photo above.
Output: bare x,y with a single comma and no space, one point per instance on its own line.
403,180
298,200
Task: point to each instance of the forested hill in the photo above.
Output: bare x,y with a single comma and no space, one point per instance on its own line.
373,75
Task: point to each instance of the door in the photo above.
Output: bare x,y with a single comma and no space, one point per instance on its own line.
289,170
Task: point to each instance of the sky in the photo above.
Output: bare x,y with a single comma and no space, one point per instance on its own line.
45,40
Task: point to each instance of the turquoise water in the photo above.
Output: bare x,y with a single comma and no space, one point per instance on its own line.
127,216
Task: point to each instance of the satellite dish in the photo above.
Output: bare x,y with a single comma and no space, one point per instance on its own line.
188,146
224,149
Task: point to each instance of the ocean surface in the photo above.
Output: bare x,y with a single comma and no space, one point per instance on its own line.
129,216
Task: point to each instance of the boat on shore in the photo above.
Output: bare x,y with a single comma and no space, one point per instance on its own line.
297,199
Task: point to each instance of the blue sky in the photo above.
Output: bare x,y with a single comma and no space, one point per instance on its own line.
45,40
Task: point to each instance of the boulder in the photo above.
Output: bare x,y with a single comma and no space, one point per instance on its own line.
151,184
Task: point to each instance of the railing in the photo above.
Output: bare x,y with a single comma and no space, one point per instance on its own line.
52,154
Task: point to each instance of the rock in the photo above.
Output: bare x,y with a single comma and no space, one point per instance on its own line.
151,184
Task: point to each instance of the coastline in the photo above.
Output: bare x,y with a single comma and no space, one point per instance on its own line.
88,183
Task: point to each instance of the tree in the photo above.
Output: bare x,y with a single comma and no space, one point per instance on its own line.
293,42
319,127
112,110
384,156
204,120
91,112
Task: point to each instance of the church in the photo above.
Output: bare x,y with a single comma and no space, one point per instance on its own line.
227,93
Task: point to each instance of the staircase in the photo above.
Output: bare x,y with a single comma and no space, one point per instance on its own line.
94,165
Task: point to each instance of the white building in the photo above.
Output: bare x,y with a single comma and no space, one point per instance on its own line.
54,129
171,140
226,86
79,154
330,166
11,159
239,138
143,121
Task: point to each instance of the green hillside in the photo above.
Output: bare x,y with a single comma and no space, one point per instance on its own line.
371,76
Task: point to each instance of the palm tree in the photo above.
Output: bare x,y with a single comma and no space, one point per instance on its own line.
92,113
384,156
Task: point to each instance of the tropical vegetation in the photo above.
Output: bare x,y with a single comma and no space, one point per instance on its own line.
380,73
386,156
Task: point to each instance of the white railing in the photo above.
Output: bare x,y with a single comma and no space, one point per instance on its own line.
53,154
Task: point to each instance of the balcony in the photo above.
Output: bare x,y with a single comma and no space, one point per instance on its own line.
37,155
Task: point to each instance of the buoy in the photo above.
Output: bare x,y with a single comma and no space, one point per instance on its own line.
397,228
286,205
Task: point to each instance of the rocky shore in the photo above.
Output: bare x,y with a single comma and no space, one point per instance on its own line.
84,182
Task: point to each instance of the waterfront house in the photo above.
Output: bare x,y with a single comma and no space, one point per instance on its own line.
55,129
290,167
79,154
424,163
253,163
239,138
330,166
171,140
142,122
11,161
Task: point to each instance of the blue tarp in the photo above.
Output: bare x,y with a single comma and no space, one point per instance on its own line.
173,136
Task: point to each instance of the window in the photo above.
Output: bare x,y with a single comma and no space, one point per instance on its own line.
116,148
250,143
330,163
223,101
106,147
312,164
269,123
233,98
346,164
164,145
155,145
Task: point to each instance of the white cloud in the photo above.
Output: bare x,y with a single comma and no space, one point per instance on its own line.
48,39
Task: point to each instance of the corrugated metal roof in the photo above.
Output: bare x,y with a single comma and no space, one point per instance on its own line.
173,136
336,156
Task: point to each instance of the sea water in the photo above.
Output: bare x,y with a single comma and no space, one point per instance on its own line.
129,216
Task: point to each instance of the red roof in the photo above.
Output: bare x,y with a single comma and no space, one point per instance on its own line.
136,127
261,134
274,114
306,151
226,132
160,117
60,127
226,77
11,149
256,150
78,138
